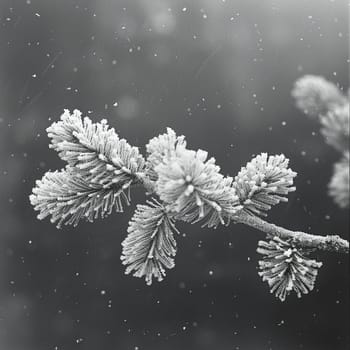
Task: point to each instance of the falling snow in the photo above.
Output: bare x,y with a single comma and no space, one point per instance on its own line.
221,73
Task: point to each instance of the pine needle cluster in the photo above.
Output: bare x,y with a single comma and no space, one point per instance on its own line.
150,246
100,171
264,182
286,268
192,187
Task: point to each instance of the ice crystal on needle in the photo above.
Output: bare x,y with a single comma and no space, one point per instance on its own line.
150,245
286,268
263,182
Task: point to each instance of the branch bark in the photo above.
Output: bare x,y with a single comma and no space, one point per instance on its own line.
331,243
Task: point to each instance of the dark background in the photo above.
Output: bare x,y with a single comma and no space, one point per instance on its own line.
219,72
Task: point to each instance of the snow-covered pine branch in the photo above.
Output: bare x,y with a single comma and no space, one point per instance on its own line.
101,169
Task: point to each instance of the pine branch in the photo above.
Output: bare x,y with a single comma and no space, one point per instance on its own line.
101,168
266,180
331,243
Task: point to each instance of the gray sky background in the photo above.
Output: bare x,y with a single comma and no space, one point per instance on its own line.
219,72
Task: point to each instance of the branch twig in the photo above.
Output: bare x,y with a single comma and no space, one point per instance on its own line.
331,243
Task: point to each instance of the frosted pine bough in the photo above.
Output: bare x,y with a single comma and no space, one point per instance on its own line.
183,185
319,98
98,176
68,197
